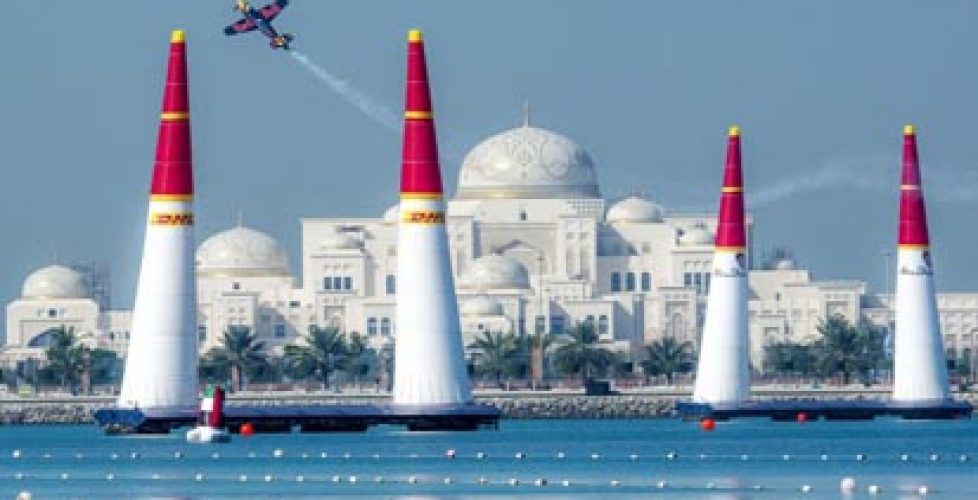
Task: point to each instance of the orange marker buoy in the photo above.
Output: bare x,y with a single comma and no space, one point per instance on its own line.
802,417
708,424
247,429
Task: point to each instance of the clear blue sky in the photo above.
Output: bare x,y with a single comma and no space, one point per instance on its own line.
820,89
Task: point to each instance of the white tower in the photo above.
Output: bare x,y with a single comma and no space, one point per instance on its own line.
723,371
919,369
429,368
161,366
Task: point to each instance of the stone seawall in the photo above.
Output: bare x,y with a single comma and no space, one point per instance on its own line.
524,406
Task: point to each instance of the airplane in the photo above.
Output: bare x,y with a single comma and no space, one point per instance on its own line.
261,19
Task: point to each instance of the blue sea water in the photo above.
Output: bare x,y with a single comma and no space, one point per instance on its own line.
742,459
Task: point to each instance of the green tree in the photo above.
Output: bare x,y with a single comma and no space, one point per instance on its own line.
790,358
239,354
358,359
495,354
668,357
581,353
848,350
64,355
318,354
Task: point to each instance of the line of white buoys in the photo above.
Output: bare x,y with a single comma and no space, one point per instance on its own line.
847,485
278,453
807,488
15,454
874,489
25,495
198,477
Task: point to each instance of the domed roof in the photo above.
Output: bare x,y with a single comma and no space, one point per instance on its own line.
784,265
698,235
634,209
339,241
241,251
482,306
392,214
527,162
496,271
55,282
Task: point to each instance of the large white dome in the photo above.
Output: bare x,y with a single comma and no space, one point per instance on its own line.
496,271
55,282
241,251
527,162
634,209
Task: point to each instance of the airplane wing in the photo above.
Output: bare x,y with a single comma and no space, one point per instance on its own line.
271,10
243,26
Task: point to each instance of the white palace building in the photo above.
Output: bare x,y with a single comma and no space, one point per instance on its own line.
535,247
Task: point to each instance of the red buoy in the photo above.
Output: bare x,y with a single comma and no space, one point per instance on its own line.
802,417
247,429
708,424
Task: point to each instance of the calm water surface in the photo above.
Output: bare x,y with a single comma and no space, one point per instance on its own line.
731,462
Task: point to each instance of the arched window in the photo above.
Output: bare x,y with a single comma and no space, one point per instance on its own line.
646,281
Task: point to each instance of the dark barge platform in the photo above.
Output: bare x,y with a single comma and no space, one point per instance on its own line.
835,409
305,418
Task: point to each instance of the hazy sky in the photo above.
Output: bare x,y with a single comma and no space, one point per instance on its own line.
820,89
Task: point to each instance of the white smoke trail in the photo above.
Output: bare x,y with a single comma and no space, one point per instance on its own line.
365,103
870,173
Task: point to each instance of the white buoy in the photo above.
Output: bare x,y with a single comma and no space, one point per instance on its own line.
353,479
269,478
483,481
847,485
744,457
540,482
662,485
379,479
376,456
480,455
300,479
935,458
25,495
46,455
109,477
615,483
15,454
447,480
243,478
450,453
758,487
595,456
346,456
114,456
64,476
786,457
337,479
874,489
18,476
807,488
905,457
860,457
412,480
413,455
215,455
134,455
520,455
514,482
671,455
565,483
561,455
252,454
177,454
923,490
824,457
198,477
155,477
711,486
963,458
702,456
633,457
324,455
278,453
304,455
79,456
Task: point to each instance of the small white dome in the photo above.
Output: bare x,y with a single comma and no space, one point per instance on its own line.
339,241
784,265
392,214
482,306
496,271
241,251
55,282
634,209
527,162
698,235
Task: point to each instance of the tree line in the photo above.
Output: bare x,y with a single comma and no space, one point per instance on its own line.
329,357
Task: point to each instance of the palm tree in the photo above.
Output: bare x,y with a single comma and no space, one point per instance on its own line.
358,359
668,357
789,358
495,354
240,353
64,354
848,350
581,353
319,353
